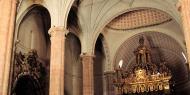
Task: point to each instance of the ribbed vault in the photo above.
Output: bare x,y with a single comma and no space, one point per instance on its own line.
163,47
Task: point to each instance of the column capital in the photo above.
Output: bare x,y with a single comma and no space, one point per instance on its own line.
16,1
178,5
57,30
108,72
83,55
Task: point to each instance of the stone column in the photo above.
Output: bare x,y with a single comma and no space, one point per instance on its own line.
184,6
57,60
88,79
109,83
7,23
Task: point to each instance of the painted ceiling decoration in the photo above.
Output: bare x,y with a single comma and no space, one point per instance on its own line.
139,18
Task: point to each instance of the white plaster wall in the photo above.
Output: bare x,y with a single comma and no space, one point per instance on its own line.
94,15
116,38
32,36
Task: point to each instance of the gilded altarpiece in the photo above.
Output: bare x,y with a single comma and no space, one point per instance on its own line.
29,76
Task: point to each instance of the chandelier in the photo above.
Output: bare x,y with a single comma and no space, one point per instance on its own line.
144,76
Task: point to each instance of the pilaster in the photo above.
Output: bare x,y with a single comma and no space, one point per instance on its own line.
7,21
184,8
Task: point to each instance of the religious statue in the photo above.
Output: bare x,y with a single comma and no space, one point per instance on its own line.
144,76
142,53
29,64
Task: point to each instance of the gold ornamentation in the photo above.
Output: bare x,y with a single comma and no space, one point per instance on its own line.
28,64
144,76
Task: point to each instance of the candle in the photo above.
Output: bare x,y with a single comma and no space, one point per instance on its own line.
120,63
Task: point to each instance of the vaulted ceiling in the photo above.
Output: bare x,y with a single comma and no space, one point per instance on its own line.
162,45
139,18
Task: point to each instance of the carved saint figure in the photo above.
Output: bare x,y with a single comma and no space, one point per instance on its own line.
142,52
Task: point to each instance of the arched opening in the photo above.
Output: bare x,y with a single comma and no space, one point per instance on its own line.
73,66
72,21
124,32
31,38
98,67
27,85
163,47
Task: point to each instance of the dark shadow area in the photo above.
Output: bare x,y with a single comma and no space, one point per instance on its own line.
98,67
27,85
73,67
